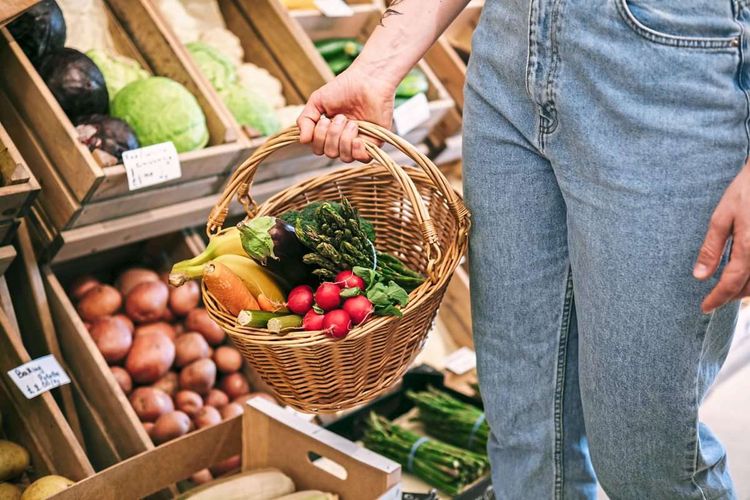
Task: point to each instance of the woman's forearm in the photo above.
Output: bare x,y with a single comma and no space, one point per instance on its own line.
407,30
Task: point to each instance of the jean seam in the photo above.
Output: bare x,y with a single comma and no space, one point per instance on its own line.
560,384
741,80
670,40
696,441
531,56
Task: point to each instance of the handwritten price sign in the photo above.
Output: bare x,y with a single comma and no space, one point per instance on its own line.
38,376
151,165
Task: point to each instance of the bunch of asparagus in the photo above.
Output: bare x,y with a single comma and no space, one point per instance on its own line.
446,467
340,240
451,420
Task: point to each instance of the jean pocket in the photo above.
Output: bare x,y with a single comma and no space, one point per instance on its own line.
685,25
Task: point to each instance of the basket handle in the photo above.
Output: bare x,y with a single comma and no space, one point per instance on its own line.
241,181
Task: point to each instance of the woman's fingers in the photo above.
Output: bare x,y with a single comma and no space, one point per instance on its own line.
710,253
734,279
308,119
319,135
333,137
346,143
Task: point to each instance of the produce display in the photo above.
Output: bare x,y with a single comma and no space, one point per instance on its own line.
444,466
15,482
166,354
323,257
115,104
340,53
253,96
260,484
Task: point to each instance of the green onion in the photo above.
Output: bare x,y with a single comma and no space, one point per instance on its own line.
282,323
256,319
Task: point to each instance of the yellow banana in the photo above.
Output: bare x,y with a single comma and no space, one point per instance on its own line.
255,277
225,243
299,4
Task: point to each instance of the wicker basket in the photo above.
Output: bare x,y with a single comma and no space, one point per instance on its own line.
417,216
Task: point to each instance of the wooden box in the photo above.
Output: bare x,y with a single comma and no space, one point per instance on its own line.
9,9
84,192
267,436
18,186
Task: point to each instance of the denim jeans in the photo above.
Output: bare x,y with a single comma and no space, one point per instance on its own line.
599,135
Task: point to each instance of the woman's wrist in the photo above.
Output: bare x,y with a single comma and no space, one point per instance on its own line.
381,74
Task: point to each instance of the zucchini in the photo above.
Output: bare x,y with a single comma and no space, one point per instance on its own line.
332,48
414,83
339,64
256,319
261,484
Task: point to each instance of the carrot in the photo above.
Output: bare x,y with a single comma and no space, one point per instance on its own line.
269,305
228,288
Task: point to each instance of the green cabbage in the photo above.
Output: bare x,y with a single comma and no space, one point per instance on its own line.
215,66
158,110
250,110
118,70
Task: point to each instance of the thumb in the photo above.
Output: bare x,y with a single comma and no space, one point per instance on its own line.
710,253
309,117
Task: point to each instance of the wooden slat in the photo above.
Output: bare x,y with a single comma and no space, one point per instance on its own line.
285,38
319,27
7,254
40,424
9,9
7,305
450,68
38,329
42,112
455,310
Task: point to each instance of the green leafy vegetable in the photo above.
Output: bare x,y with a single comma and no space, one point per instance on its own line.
384,297
257,240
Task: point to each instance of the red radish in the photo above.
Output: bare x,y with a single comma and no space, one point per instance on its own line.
359,309
312,321
337,323
328,296
347,279
300,299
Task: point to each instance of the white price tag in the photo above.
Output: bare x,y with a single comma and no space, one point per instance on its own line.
461,361
309,417
411,114
334,8
38,376
151,165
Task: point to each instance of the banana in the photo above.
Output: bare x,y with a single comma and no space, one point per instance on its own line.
225,243
255,277
299,4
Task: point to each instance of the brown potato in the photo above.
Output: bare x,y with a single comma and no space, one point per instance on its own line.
216,398
123,378
147,301
179,329
81,285
127,322
198,376
235,385
203,476
100,300
170,426
185,298
150,358
231,410
188,401
199,321
112,338
132,277
168,383
190,347
149,428
225,466
150,404
158,327
227,359
207,416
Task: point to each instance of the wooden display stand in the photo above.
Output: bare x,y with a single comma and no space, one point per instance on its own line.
77,191
9,9
18,187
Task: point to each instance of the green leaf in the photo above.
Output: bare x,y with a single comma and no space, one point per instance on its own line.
370,276
256,239
397,294
318,309
378,295
348,293
389,310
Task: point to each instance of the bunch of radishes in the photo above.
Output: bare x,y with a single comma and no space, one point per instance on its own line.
335,307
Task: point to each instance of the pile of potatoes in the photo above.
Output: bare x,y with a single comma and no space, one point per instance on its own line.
14,481
165,352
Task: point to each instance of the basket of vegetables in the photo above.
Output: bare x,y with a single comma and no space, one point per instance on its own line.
330,287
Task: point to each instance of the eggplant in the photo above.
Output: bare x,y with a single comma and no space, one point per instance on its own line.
76,82
109,134
40,30
273,243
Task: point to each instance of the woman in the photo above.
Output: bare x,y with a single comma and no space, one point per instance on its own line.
602,139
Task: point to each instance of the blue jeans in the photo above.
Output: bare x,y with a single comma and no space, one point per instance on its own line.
599,136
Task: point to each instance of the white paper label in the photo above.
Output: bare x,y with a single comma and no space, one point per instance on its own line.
334,8
411,114
151,165
308,417
461,361
38,376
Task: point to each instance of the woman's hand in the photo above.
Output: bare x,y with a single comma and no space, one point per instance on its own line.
731,218
353,95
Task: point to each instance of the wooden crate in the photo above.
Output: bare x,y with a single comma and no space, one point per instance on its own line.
70,174
37,424
360,25
18,186
9,9
266,436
